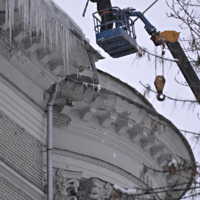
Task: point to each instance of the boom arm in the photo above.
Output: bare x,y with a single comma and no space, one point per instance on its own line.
170,38
148,26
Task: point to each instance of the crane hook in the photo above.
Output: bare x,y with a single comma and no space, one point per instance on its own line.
160,97
159,84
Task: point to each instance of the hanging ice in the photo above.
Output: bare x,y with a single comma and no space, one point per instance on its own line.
98,88
173,162
44,19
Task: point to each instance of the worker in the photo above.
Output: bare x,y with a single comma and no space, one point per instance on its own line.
106,15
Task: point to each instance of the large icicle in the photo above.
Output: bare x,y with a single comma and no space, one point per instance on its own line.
43,18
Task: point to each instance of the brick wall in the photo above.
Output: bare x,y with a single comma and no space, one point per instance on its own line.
8,191
21,150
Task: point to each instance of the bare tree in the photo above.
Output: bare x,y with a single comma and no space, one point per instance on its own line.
188,13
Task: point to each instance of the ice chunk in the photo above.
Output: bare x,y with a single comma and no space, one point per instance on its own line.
173,162
125,191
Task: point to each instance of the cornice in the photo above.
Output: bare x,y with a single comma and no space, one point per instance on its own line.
104,103
106,100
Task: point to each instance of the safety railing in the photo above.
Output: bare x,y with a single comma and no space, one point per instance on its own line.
116,18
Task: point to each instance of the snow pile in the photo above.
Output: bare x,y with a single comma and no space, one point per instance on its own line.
173,162
125,191
45,19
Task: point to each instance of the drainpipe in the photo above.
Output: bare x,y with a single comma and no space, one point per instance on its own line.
49,137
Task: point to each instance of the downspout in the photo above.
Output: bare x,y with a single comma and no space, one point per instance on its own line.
49,137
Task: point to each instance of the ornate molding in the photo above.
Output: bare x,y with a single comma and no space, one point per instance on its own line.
94,189
68,187
77,188
87,113
107,119
64,187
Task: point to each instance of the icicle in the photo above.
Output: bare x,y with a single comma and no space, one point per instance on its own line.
11,17
31,20
85,84
93,88
56,24
6,15
37,29
67,57
50,30
40,18
19,7
44,32
98,88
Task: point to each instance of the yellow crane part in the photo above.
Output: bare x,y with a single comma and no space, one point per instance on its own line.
165,36
159,84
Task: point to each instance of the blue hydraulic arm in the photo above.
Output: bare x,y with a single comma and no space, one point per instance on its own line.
148,26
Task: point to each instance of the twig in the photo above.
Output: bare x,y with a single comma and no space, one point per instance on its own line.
191,101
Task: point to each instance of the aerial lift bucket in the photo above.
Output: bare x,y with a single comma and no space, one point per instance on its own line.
121,39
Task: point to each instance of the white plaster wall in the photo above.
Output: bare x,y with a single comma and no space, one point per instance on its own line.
21,81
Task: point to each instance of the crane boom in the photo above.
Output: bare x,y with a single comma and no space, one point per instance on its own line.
170,38
185,67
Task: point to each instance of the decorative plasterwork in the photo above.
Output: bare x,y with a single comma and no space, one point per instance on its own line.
106,119
73,188
64,187
95,189
106,108
87,113
109,109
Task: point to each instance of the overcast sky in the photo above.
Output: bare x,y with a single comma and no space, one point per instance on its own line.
132,71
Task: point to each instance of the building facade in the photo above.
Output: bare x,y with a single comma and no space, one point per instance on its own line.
108,142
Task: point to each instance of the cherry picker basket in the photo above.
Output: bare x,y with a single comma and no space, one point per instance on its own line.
120,40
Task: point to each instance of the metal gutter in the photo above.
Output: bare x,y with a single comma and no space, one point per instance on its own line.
49,137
